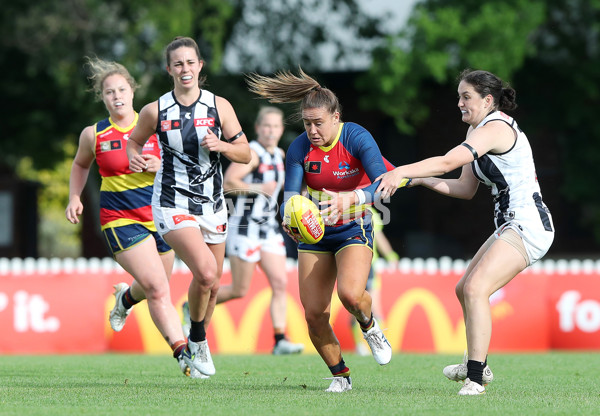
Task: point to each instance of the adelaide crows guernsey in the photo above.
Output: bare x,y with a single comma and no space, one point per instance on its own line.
190,176
513,181
255,214
125,196
351,162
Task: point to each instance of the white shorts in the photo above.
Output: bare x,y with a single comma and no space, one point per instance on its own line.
249,249
537,242
213,227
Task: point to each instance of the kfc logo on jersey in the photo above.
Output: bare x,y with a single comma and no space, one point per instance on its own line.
263,167
204,122
166,125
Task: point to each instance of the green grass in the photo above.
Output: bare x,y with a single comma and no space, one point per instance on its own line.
525,384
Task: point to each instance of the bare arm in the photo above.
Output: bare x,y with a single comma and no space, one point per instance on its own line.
464,187
236,151
79,173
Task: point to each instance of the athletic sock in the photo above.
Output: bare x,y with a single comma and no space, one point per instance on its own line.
178,347
127,300
368,325
197,331
279,337
475,371
340,369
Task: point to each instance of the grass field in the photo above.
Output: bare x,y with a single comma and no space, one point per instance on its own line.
525,384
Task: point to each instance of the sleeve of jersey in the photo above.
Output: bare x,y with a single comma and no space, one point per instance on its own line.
294,171
366,150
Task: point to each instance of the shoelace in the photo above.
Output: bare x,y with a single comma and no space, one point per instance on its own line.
202,352
376,339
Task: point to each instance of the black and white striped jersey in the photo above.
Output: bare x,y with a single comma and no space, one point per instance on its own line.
513,180
255,214
190,177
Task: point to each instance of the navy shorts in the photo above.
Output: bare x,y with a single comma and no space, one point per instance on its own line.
126,236
354,233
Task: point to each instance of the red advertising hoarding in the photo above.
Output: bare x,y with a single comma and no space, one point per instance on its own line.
67,312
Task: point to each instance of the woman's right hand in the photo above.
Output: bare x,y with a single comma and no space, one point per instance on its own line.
74,210
289,232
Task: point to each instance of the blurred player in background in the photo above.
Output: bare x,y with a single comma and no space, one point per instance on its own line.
254,236
331,156
125,211
194,128
497,153
254,233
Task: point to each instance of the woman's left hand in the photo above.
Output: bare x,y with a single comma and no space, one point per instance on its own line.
152,163
335,207
212,143
390,181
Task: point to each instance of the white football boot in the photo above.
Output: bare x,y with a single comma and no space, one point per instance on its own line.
458,372
380,347
284,347
470,388
339,384
197,356
119,314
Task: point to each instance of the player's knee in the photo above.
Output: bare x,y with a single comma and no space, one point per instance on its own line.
157,291
316,320
279,286
350,299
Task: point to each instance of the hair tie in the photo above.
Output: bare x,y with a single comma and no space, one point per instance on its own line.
317,88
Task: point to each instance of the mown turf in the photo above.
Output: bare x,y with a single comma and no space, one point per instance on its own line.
525,384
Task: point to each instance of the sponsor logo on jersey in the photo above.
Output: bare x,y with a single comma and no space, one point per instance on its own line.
104,146
326,158
166,125
103,135
110,145
344,165
343,174
313,167
204,122
264,167
182,217
251,251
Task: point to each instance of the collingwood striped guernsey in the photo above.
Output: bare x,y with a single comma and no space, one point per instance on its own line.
190,176
255,214
513,181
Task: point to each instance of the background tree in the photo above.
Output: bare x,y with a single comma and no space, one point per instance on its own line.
548,50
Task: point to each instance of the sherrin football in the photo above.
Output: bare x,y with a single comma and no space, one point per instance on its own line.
303,218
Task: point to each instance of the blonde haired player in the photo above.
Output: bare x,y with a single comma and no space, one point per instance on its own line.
125,211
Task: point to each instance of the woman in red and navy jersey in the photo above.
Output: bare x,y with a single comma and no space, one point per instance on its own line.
333,158
125,210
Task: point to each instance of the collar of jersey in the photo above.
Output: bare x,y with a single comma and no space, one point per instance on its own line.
124,129
337,138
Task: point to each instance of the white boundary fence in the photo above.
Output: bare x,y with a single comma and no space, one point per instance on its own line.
444,265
